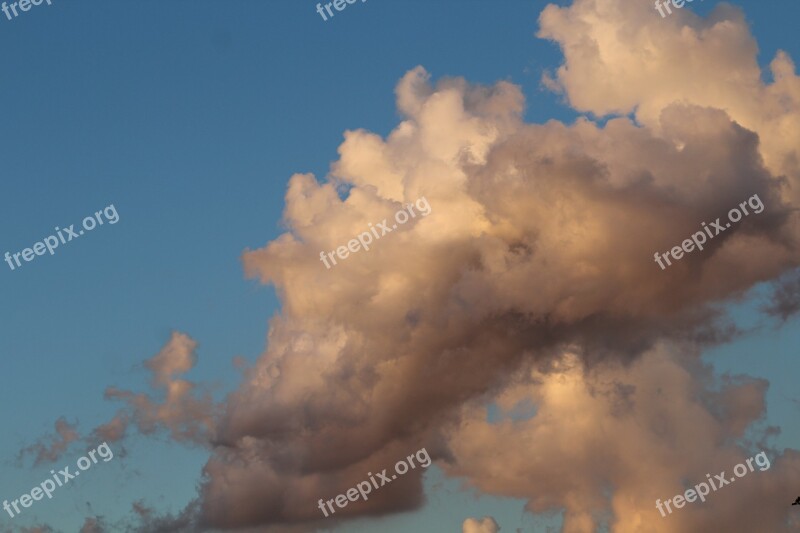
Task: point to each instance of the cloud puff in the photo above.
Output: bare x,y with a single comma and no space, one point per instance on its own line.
186,411
50,448
114,430
484,525
639,432
620,57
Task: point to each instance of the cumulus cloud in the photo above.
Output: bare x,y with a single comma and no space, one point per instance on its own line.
484,525
620,58
541,238
531,283
649,430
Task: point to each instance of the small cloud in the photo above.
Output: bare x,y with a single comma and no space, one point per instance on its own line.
486,524
51,447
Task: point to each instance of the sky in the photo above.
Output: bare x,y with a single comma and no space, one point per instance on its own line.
559,145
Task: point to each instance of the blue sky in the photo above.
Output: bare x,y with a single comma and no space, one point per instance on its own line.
190,117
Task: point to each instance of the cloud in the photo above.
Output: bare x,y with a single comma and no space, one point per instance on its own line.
540,239
146,521
186,412
93,525
620,59
531,283
50,448
648,429
114,430
484,525
541,236
182,408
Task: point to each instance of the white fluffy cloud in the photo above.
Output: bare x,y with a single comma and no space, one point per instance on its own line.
622,58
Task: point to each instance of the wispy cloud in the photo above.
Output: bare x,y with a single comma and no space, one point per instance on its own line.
50,447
